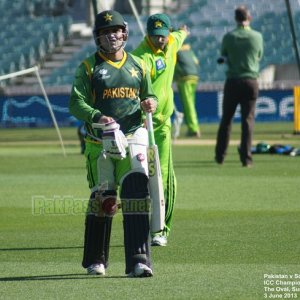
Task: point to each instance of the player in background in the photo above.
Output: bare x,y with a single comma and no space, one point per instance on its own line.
186,78
242,49
158,50
112,88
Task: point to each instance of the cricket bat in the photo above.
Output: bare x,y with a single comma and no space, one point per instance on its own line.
155,181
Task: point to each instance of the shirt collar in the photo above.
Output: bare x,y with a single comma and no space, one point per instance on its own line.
244,27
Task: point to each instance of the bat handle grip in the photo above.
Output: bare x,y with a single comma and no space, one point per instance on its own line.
150,128
149,121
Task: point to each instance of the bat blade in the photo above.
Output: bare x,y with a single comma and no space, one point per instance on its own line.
156,190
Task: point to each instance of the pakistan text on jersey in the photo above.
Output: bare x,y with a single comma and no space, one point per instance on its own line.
121,92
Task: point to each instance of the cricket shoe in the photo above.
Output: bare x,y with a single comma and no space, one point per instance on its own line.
159,240
96,269
141,270
193,134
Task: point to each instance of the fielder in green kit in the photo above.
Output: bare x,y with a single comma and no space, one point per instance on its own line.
110,92
186,78
158,50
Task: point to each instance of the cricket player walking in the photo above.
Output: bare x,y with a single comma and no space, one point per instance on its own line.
158,50
110,92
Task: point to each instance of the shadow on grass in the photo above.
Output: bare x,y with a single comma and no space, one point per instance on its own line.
49,248
57,277
197,163
193,164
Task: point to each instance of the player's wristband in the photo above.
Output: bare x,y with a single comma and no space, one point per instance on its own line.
96,117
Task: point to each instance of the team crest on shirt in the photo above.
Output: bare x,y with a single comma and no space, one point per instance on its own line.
160,65
103,74
134,73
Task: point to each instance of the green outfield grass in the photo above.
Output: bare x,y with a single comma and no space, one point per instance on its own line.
232,225
269,131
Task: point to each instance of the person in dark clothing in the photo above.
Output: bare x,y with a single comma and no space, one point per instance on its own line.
242,49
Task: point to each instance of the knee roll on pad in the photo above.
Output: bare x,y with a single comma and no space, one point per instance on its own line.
108,202
135,185
103,203
135,194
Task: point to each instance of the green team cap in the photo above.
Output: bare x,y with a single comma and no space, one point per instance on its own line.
109,18
159,24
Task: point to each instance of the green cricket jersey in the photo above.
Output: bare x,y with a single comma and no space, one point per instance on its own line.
161,65
115,89
243,48
187,64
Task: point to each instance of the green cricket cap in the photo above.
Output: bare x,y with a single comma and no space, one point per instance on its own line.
159,24
109,18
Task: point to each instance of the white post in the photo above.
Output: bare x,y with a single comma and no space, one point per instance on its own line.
137,16
18,73
36,70
50,109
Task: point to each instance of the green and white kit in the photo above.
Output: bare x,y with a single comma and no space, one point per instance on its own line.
161,65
